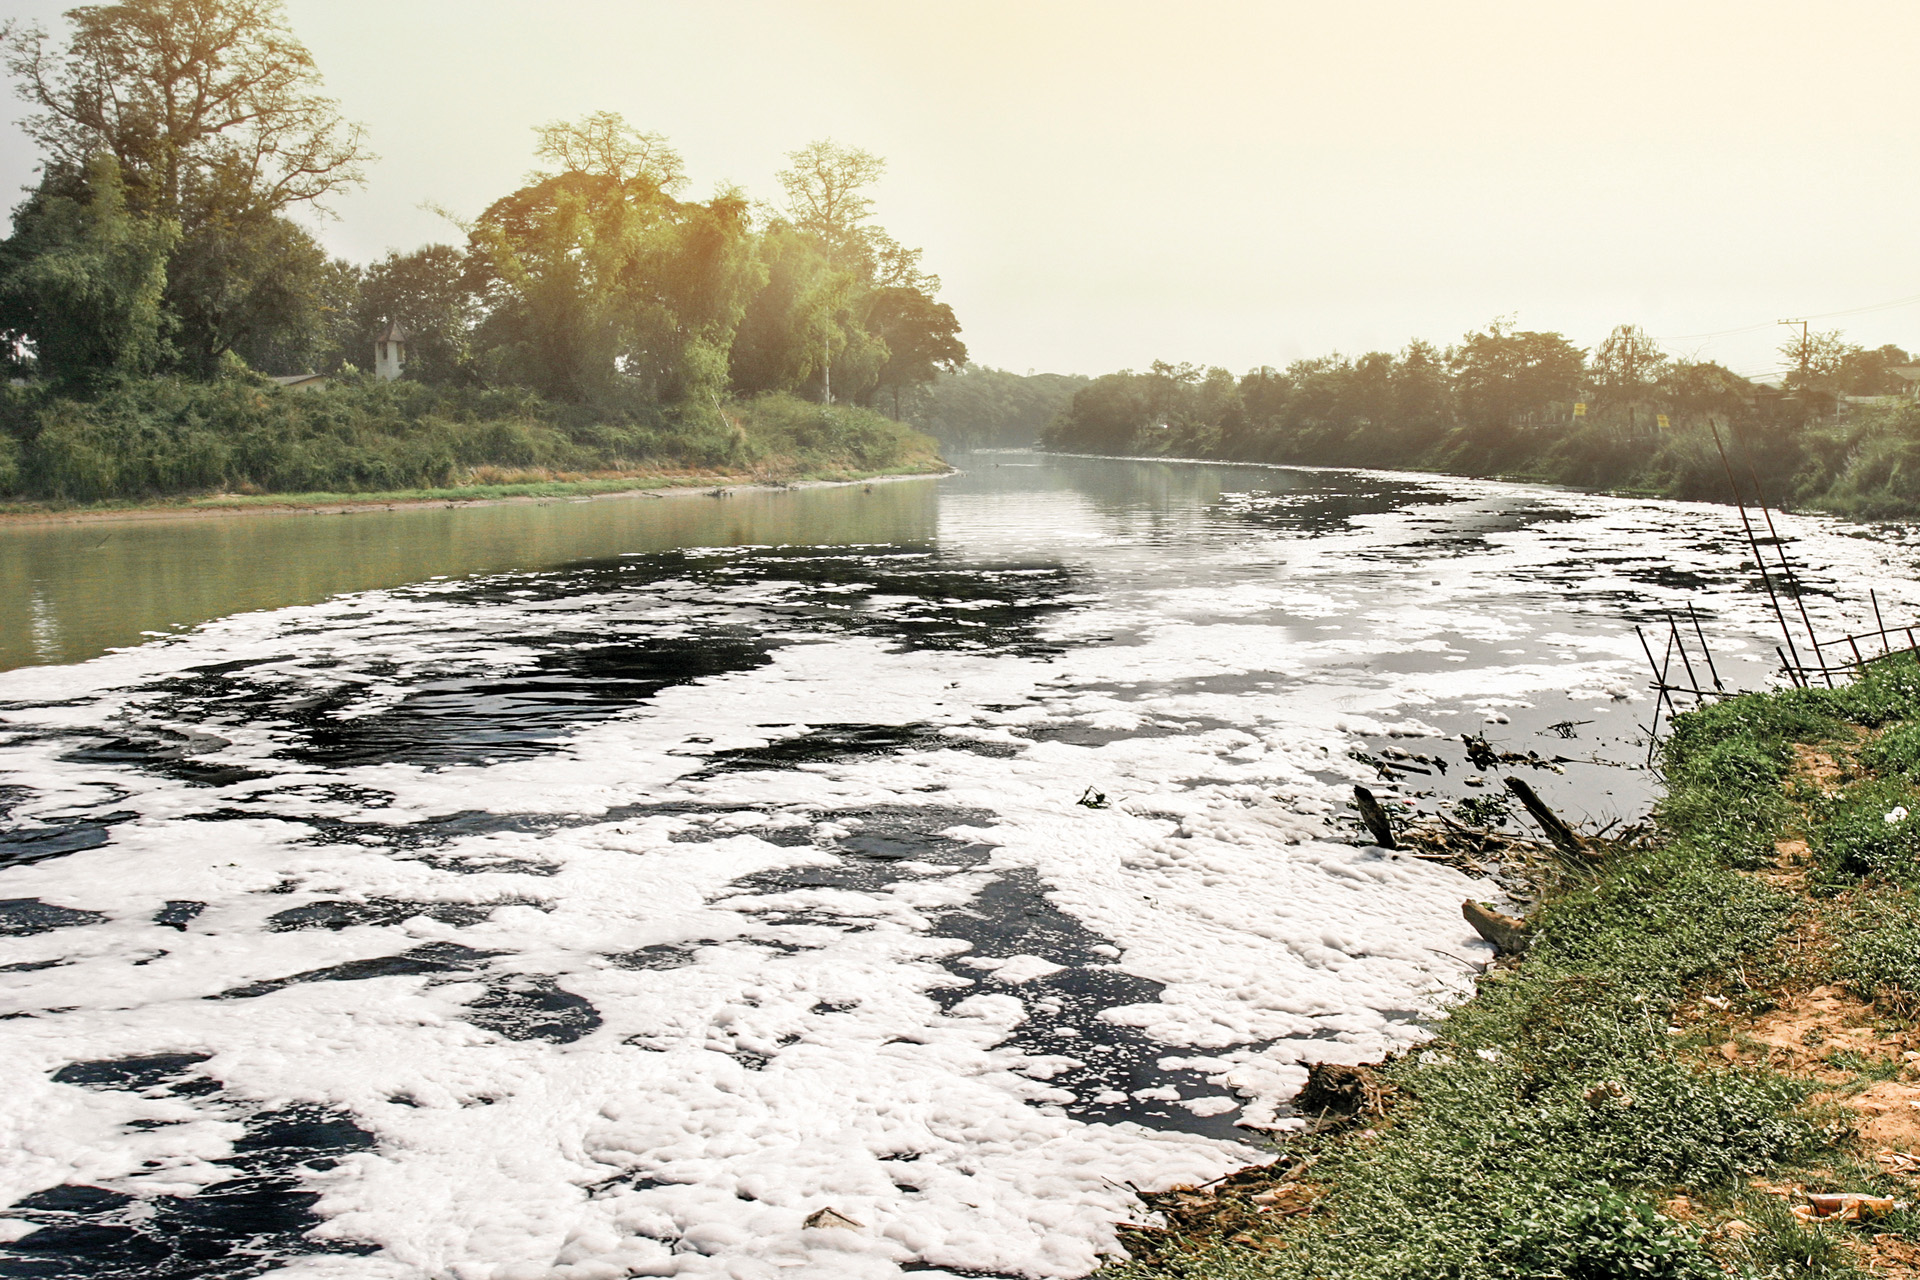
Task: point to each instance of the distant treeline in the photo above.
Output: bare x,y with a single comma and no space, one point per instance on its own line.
158,246
1839,432
978,407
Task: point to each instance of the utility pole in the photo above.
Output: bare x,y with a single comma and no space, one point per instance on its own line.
1806,348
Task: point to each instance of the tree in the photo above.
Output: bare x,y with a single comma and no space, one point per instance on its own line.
1109,415
1818,360
1864,372
1502,377
212,111
428,293
598,283
1625,368
254,289
922,339
1704,390
981,406
82,279
827,193
205,104
1420,394
605,145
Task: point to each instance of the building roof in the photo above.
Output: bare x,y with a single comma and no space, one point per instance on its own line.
298,379
1906,372
392,333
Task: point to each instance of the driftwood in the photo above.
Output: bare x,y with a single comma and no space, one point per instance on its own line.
1564,837
1375,817
1508,935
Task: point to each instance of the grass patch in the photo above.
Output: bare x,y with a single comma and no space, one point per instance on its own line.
1620,1103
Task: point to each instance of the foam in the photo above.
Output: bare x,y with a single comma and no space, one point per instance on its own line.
815,1041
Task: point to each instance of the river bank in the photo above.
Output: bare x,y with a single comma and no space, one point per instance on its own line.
237,442
1703,1061
636,485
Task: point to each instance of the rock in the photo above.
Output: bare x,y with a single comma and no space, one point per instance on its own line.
1611,1091
831,1217
1508,935
1287,1200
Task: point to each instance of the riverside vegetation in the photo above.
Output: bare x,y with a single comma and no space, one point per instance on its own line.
1708,1026
592,321
1836,434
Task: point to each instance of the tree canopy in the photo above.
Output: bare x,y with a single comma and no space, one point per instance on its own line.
178,136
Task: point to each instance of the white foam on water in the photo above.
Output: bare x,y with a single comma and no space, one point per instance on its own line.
816,1042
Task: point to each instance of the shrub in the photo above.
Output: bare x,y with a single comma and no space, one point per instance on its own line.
165,436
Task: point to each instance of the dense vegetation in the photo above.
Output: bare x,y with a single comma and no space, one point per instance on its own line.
1836,433
1703,1026
594,318
178,436
977,407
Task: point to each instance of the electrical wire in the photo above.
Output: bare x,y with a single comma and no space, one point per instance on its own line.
1768,324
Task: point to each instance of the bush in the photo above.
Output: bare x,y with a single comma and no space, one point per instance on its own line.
167,436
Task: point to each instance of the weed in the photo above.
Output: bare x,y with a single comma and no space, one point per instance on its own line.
1879,955
1868,830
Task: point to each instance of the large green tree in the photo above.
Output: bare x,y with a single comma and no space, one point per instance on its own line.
598,282
82,279
428,293
1504,377
212,111
922,339
846,311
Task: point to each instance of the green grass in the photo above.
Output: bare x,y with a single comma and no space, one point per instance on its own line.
1539,1134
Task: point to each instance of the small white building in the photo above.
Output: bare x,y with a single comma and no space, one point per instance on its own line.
302,381
390,351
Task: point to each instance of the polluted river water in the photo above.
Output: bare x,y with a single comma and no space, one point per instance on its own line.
599,889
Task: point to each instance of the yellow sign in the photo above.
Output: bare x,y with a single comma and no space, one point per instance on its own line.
1661,418
1580,409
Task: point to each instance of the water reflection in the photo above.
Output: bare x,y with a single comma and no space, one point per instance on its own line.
69,592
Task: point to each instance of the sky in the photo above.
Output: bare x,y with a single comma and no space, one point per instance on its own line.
1102,184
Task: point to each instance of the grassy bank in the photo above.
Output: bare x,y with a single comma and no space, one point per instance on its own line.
1707,1027
171,440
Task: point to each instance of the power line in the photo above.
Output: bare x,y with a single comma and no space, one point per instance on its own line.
1821,315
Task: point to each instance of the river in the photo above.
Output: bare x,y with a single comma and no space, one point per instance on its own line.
595,889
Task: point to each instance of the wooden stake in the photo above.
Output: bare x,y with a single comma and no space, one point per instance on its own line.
1375,817
1564,837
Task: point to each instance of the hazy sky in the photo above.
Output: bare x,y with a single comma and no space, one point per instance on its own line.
1105,183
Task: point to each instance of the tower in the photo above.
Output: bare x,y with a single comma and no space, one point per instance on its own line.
390,351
